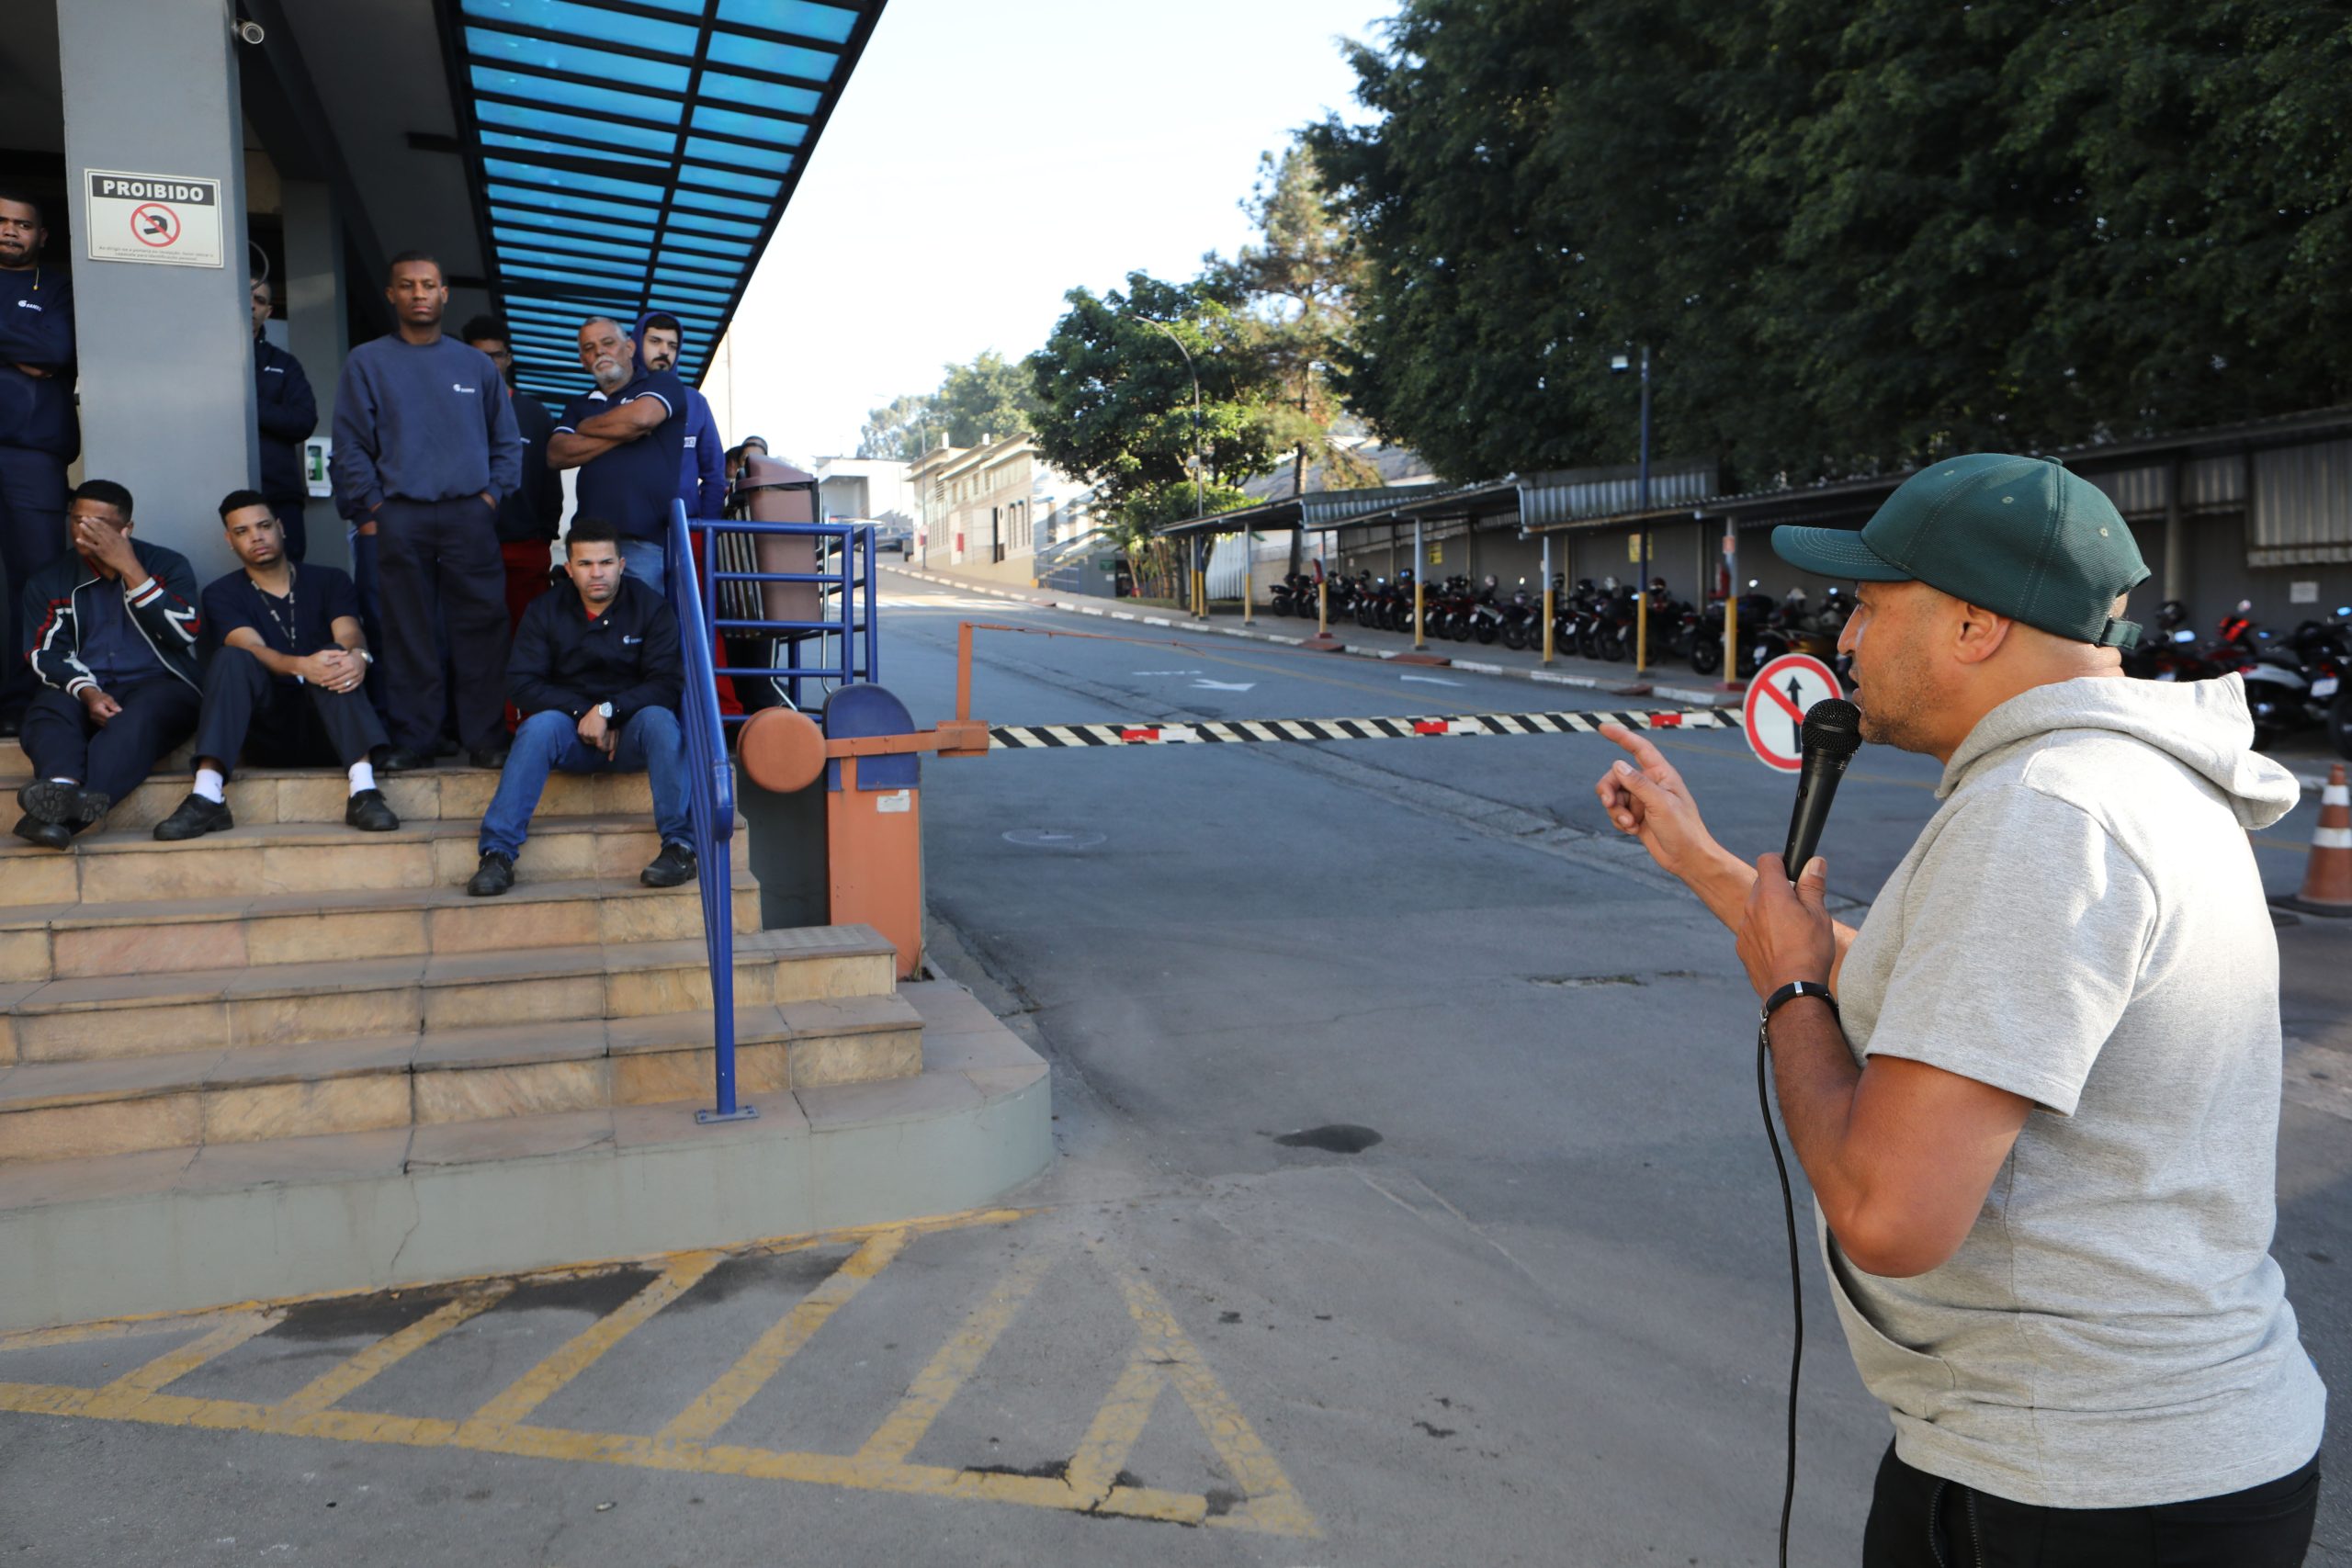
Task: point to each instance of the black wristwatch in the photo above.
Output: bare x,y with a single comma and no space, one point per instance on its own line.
1790,992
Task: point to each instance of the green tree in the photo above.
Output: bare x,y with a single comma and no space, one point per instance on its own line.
1115,403
990,397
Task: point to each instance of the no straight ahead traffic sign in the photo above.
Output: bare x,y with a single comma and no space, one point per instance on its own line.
1773,715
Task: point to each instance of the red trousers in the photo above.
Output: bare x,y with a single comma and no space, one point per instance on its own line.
527,565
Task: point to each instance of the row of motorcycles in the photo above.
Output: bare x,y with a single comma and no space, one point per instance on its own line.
1594,620
2294,680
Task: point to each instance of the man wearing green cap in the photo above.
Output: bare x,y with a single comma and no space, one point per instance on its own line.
2037,1093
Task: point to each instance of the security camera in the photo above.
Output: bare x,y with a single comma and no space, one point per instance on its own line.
250,31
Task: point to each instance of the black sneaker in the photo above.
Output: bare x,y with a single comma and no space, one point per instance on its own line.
494,875
400,760
371,813
673,867
50,800
195,818
491,756
47,835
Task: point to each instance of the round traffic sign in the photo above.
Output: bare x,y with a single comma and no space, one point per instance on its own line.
154,225
1773,715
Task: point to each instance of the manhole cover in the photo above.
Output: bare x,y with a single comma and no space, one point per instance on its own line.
1052,839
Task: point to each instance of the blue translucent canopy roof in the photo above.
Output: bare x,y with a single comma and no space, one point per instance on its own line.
634,155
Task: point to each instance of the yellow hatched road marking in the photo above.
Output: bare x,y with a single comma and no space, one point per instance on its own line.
1161,1355
936,1384
718,1404
542,1382
330,1387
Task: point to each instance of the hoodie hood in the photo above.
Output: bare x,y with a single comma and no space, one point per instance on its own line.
2204,723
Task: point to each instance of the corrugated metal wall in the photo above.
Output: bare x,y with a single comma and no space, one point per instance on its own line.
2303,506
1546,499
2208,484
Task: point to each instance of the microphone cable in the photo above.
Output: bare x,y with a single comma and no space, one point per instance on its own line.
1796,1287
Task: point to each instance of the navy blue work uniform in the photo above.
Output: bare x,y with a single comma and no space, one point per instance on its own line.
634,485
39,434
288,412
279,721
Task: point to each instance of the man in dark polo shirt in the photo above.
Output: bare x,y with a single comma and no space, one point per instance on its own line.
528,519
283,686
113,625
628,438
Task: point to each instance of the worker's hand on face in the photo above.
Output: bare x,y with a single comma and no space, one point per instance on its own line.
110,546
99,705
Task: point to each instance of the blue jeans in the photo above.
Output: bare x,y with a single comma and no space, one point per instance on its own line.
642,558
651,743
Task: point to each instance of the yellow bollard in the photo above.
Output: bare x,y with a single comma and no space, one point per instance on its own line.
1416,609
1322,607
1550,610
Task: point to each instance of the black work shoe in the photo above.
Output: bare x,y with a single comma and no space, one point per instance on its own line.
673,866
491,756
47,835
11,725
50,800
401,760
371,813
195,818
494,875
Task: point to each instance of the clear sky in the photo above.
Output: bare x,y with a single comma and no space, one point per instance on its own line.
990,155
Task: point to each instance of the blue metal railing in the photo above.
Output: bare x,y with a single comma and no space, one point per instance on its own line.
852,630
710,794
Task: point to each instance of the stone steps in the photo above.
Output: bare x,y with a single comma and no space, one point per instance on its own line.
72,942
262,796
78,1110
280,1004
116,866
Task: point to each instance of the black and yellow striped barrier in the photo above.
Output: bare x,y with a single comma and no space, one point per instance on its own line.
1258,731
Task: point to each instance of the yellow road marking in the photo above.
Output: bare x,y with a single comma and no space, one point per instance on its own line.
330,1387
1161,1355
718,1404
541,1383
937,1383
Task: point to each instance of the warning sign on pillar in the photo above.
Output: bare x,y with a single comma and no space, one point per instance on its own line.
162,220
1777,701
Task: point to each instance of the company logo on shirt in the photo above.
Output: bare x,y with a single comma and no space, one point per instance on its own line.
461,387
632,641
273,370
27,305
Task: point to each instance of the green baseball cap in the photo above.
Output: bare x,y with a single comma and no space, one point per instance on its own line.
2021,536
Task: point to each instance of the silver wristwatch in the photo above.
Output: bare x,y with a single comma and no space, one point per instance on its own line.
606,709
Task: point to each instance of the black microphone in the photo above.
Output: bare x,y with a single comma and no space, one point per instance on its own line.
1833,733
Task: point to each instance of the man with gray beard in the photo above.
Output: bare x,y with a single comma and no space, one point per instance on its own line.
627,439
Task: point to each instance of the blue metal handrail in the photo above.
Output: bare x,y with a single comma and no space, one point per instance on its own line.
710,794
854,622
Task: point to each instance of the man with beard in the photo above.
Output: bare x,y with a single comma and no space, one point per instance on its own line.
426,446
702,468
627,439
284,685
39,434
2037,1093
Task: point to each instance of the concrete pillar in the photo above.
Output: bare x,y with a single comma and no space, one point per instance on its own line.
166,355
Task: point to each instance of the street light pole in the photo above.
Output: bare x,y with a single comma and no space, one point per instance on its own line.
1642,614
1200,477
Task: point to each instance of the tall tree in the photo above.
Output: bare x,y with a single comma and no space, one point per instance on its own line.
901,429
1116,402
990,397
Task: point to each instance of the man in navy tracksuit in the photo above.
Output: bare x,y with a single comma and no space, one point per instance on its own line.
288,412
39,432
426,448
114,639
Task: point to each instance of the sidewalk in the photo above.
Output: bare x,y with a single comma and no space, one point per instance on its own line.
2307,756
1674,683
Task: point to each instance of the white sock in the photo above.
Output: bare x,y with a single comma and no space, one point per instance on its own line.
211,784
362,776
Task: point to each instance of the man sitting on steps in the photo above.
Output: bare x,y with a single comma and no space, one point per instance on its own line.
286,682
114,630
596,673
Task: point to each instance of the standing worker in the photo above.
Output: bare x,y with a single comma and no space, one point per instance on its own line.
627,439
39,432
426,448
288,412
703,476
2037,1094
527,520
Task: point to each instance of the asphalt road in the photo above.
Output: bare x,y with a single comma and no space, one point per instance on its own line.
1411,1204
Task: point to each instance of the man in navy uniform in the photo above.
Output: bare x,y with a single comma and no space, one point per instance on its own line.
288,412
528,519
627,439
39,434
283,686
113,642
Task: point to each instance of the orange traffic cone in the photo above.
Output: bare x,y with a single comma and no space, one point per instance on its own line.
2327,885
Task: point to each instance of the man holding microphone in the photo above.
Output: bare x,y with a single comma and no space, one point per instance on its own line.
2037,1093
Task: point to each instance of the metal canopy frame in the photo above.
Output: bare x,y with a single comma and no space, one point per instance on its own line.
634,155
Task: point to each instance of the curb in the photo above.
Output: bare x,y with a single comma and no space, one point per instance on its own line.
1693,695
2311,781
